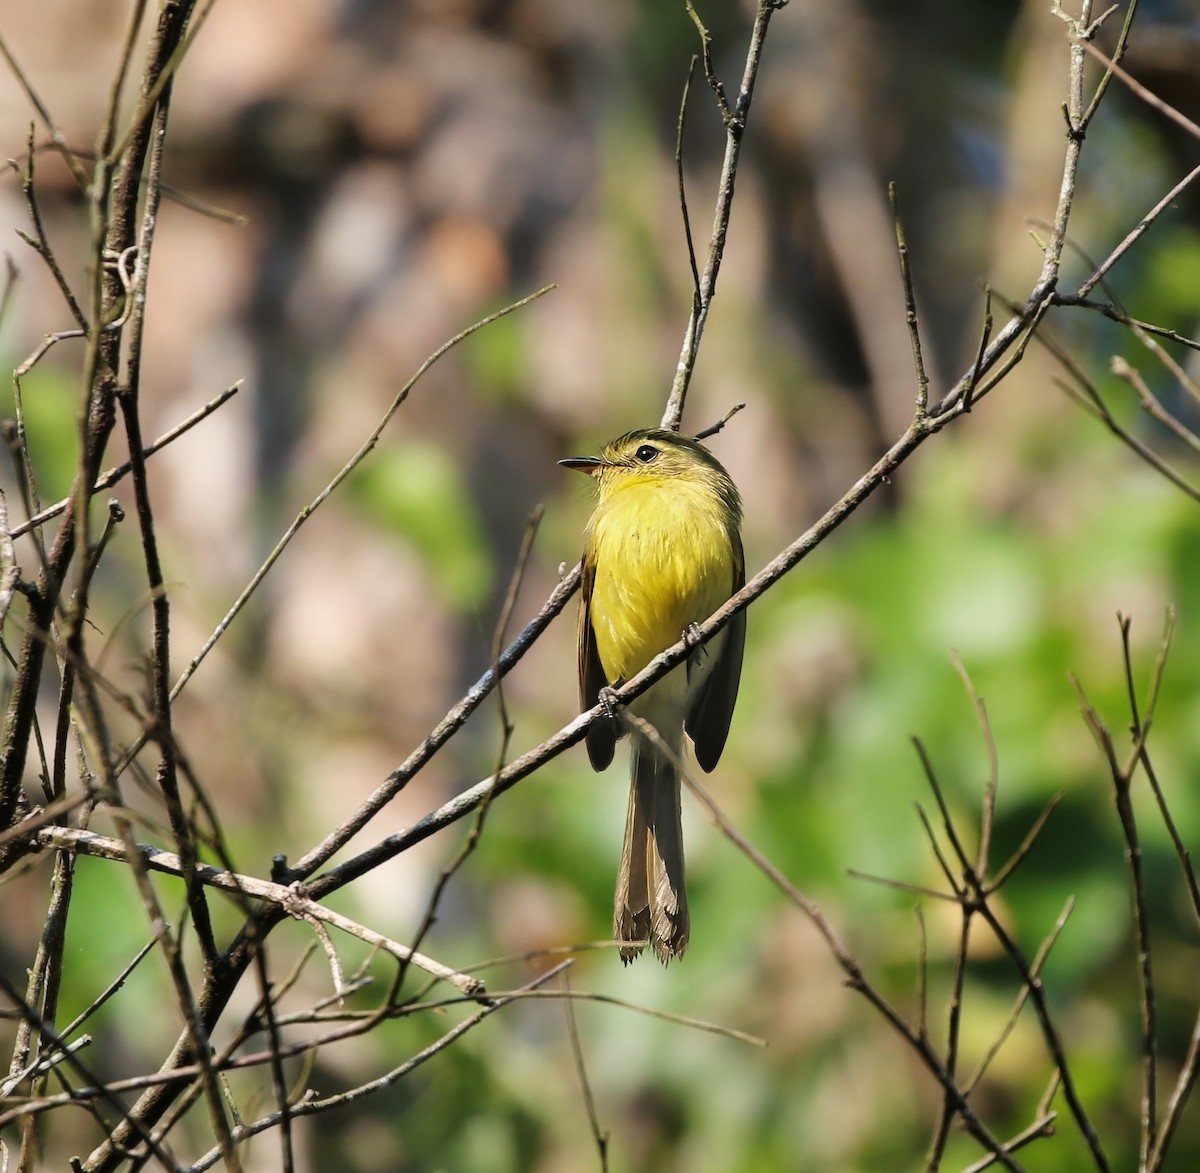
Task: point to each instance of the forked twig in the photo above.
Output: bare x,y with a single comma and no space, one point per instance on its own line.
310,1104
734,116
978,894
293,902
118,472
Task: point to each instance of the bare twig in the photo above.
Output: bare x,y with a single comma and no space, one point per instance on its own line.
1085,394
958,981
506,732
1042,1126
855,977
1135,87
1135,234
599,1135
363,451
1039,960
40,242
290,900
1118,53
995,357
683,204
1184,1086
120,471
922,974
311,1105
910,305
1026,845
734,117
1120,777
1116,314
713,429
43,113
71,1059
1050,1034
988,816
985,336
1151,405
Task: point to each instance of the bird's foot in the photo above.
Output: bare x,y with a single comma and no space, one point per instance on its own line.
607,698
696,650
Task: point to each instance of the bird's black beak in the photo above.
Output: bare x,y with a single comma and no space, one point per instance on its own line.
587,464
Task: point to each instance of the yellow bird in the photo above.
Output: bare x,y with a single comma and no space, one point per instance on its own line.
662,551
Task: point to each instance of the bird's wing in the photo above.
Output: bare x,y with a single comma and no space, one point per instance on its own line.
708,721
601,737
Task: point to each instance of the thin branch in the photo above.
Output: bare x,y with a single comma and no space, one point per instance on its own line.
932,839
1026,844
39,241
1118,53
43,113
71,1059
599,1135
311,1106
1041,1127
941,1135
290,900
1179,372
734,117
120,471
10,572
993,780
363,451
922,974
506,732
985,336
1083,391
1184,1086
903,886
1127,373
719,426
1116,314
910,304
1051,1036
1039,960
1049,1030
1136,88
1135,234
1086,395
129,400
1120,778
112,988
683,204
855,977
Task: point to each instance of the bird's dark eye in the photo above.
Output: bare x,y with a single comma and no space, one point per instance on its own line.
646,453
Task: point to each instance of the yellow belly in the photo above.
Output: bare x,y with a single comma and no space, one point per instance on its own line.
663,562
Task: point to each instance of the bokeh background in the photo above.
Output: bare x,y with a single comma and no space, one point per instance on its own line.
400,169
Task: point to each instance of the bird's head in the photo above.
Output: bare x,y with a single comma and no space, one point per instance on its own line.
655,455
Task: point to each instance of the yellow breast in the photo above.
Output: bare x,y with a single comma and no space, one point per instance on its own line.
664,560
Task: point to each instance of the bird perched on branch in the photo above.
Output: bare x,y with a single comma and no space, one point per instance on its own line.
662,552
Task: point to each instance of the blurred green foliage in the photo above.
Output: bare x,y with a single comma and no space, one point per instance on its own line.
51,406
417,491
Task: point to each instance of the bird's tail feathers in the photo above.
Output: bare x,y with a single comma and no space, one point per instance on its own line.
651,903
